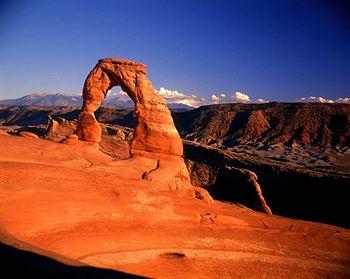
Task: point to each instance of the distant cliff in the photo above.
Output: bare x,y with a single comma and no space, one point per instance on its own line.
226,125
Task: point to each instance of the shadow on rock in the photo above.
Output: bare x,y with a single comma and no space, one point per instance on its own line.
25,264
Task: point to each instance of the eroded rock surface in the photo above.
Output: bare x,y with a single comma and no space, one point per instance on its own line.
59,129
3,133
97,211
305,124
28,135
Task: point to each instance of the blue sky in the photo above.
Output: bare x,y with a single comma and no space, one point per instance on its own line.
274,50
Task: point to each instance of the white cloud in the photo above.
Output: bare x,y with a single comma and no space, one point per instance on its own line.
218,98
173,96
215,98
113,93
240,97
260,101
313,99
120,96
122,93
170,94
237,97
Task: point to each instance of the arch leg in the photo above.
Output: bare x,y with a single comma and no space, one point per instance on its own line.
88,127
94,92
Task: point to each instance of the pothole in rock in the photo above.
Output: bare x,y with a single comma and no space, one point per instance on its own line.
173,255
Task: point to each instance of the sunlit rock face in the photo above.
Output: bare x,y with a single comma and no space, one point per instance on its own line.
75,204
154,131
155,136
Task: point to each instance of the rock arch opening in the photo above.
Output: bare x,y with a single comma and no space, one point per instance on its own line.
116,96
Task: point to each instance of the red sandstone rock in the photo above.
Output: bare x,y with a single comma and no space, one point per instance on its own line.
59,130
88,127
257,124
252,178
3,133
129,137
71,139
99,211
120,135
202,194
28,135
155,135
154,131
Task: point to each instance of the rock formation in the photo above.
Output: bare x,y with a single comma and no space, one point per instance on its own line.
28,135
3,133
58,130
256,125
155,135
154,131
306,124
224,176
252,179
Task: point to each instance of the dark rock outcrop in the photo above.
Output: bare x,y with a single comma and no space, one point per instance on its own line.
289,190
307,124
218,173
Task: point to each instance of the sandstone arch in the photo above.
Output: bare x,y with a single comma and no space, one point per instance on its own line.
155,130
156,147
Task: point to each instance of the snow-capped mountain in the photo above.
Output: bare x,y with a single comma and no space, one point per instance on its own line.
44,99
65,99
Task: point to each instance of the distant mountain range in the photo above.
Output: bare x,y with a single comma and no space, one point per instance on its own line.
44,99
63,99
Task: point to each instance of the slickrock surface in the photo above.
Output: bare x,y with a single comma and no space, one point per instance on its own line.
80,206
3,133
28,135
